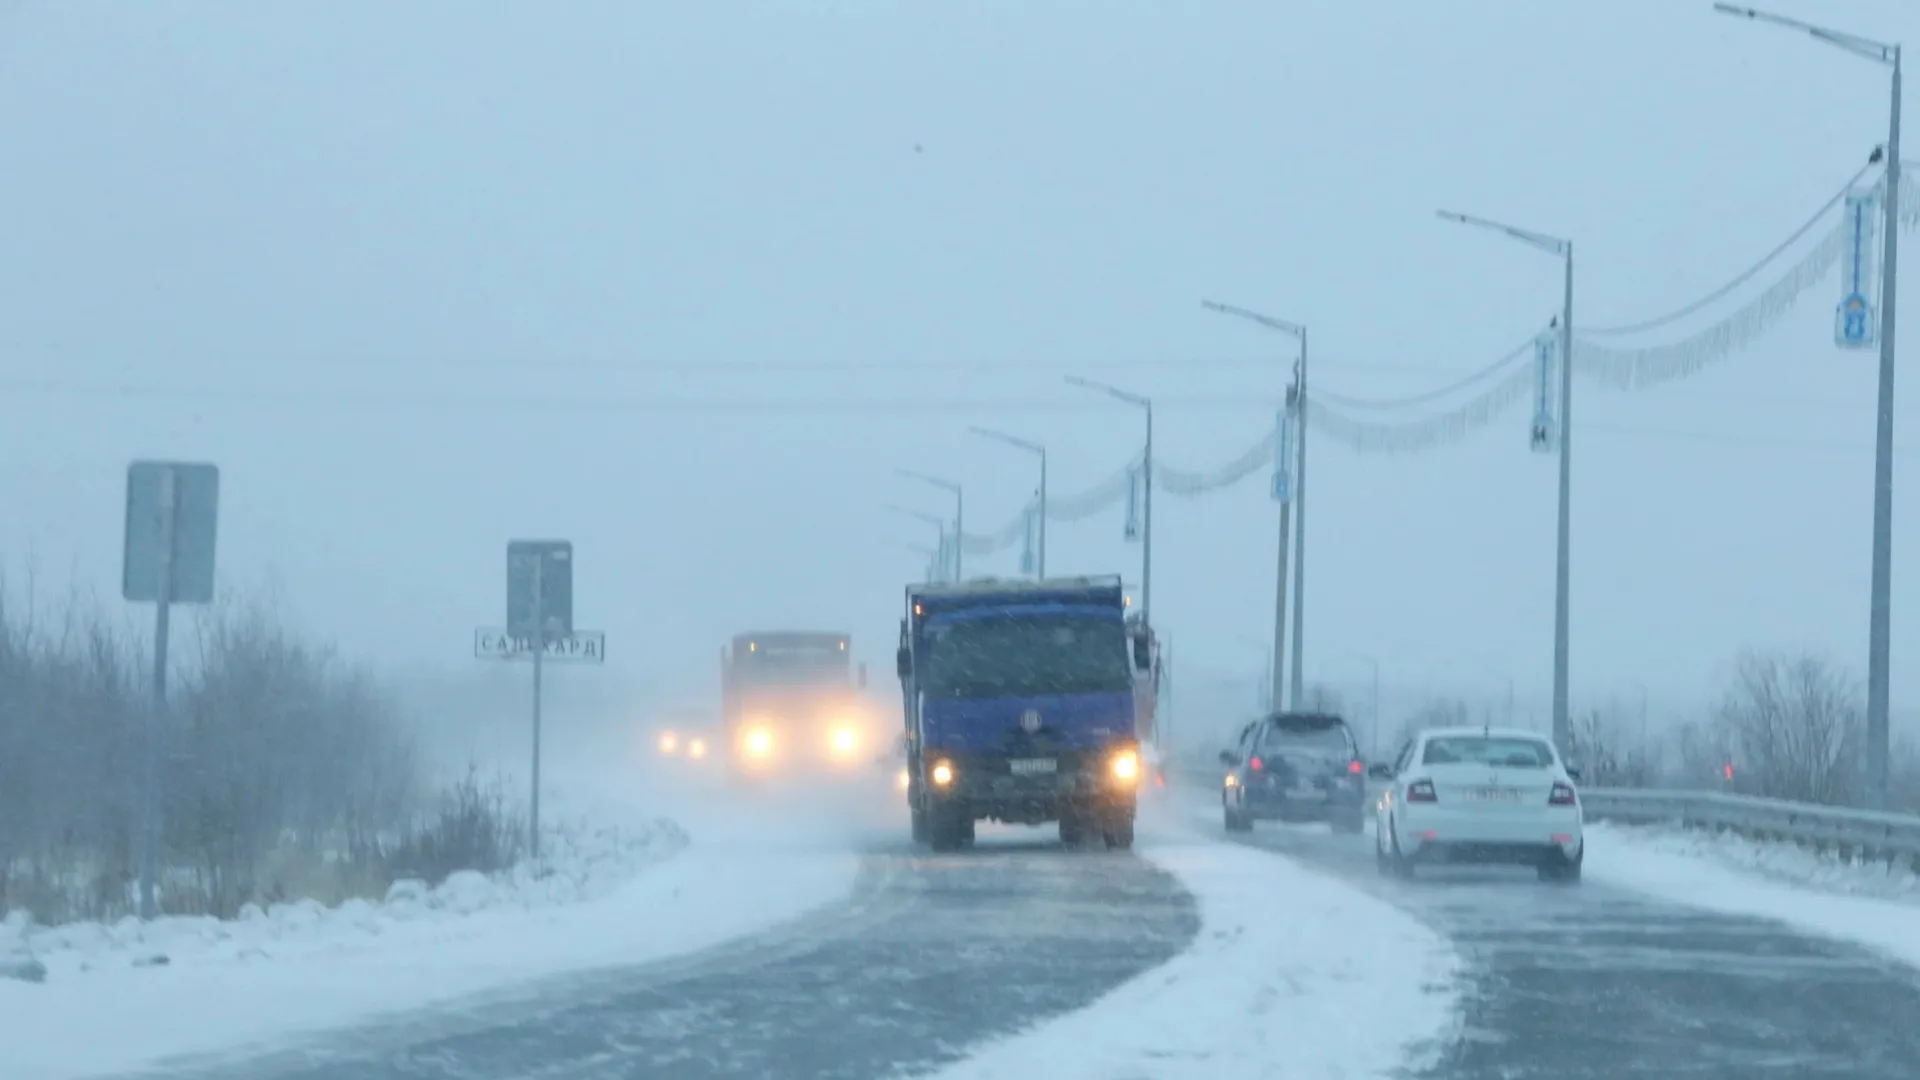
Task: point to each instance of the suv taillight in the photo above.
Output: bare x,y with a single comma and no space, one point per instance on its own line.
1562,795
1255,764
1421,791
1355,767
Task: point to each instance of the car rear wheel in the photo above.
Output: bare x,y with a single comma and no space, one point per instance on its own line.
1559,868
1236,820
1397,860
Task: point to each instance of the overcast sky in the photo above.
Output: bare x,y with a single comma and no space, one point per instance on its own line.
684,283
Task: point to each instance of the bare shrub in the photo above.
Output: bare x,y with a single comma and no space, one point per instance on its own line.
287,772
1795,724
1607,753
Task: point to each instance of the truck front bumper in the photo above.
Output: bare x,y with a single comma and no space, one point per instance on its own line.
1025,791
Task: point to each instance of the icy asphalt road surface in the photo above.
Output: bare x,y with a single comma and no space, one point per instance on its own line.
934,953
1587,982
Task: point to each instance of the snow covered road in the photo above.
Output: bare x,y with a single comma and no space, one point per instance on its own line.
932,954
1605,981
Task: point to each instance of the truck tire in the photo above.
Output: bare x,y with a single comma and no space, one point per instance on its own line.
1119,834
949,828
1073,828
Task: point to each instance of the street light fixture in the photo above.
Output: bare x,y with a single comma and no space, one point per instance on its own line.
1880,608
1562,725
959,511
1035,448
1297,401
1146,469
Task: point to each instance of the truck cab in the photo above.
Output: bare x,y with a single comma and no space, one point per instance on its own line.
791,702
1020,703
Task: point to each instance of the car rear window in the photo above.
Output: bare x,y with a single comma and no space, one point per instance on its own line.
1504,752
1321,738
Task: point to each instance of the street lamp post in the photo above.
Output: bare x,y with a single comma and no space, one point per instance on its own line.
1146,467
1297,495
1562,727
959,512
1035,448
1880,608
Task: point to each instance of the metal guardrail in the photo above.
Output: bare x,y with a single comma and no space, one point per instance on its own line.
1863,834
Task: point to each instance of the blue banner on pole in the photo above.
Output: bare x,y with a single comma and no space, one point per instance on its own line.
1132,532
1855,322
1283,440
1544,432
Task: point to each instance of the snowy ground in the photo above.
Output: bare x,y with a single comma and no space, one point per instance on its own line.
632,888
1864,903
1293,974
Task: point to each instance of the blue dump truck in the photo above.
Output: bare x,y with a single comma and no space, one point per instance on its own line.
1020,708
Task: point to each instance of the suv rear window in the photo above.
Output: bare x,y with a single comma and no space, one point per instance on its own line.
1324,737
1504,752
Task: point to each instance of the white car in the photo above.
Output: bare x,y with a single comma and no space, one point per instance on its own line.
1479,795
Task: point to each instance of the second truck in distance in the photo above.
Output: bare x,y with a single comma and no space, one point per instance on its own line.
1020,708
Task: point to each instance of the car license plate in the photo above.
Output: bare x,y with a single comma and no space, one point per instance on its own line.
1034,766
1306,794
1493,794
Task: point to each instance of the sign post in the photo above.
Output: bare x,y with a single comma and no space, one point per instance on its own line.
167,559
539,623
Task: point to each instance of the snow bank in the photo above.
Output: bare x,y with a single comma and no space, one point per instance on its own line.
1292,974
1863,903
582,862
614,898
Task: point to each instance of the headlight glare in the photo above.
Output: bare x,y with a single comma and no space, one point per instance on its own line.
943,774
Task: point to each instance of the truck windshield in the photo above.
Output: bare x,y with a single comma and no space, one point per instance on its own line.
792,667
1025,655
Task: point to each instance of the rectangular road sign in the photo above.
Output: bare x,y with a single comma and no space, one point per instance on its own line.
550,563
579,647
177,501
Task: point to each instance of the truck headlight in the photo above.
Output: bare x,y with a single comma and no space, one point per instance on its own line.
1126,766
845,740
669,742
942,774
696,748
758,743
904,780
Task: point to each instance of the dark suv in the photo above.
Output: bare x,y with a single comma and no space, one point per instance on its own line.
1295,767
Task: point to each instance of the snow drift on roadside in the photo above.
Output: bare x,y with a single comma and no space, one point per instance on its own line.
263,981
1869,903
1292,974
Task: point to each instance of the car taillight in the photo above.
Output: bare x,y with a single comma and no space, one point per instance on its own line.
1562,795
1255,765
1421,791
1354,767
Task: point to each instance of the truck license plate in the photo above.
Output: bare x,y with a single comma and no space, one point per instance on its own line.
1034,766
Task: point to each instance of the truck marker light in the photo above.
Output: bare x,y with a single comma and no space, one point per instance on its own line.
904,780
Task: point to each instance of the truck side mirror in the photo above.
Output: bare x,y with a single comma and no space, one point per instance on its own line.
863,676
903,662
1142,655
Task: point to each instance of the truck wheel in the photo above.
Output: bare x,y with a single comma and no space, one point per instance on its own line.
1073,830
919,825
1119,834
949,828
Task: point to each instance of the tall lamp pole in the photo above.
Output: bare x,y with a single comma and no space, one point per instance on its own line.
1879,633
939,523
1297,495
1562,726
1034,448
959,511
1146,546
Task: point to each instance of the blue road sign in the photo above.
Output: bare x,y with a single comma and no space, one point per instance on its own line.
549,563
1282,486
1853,324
